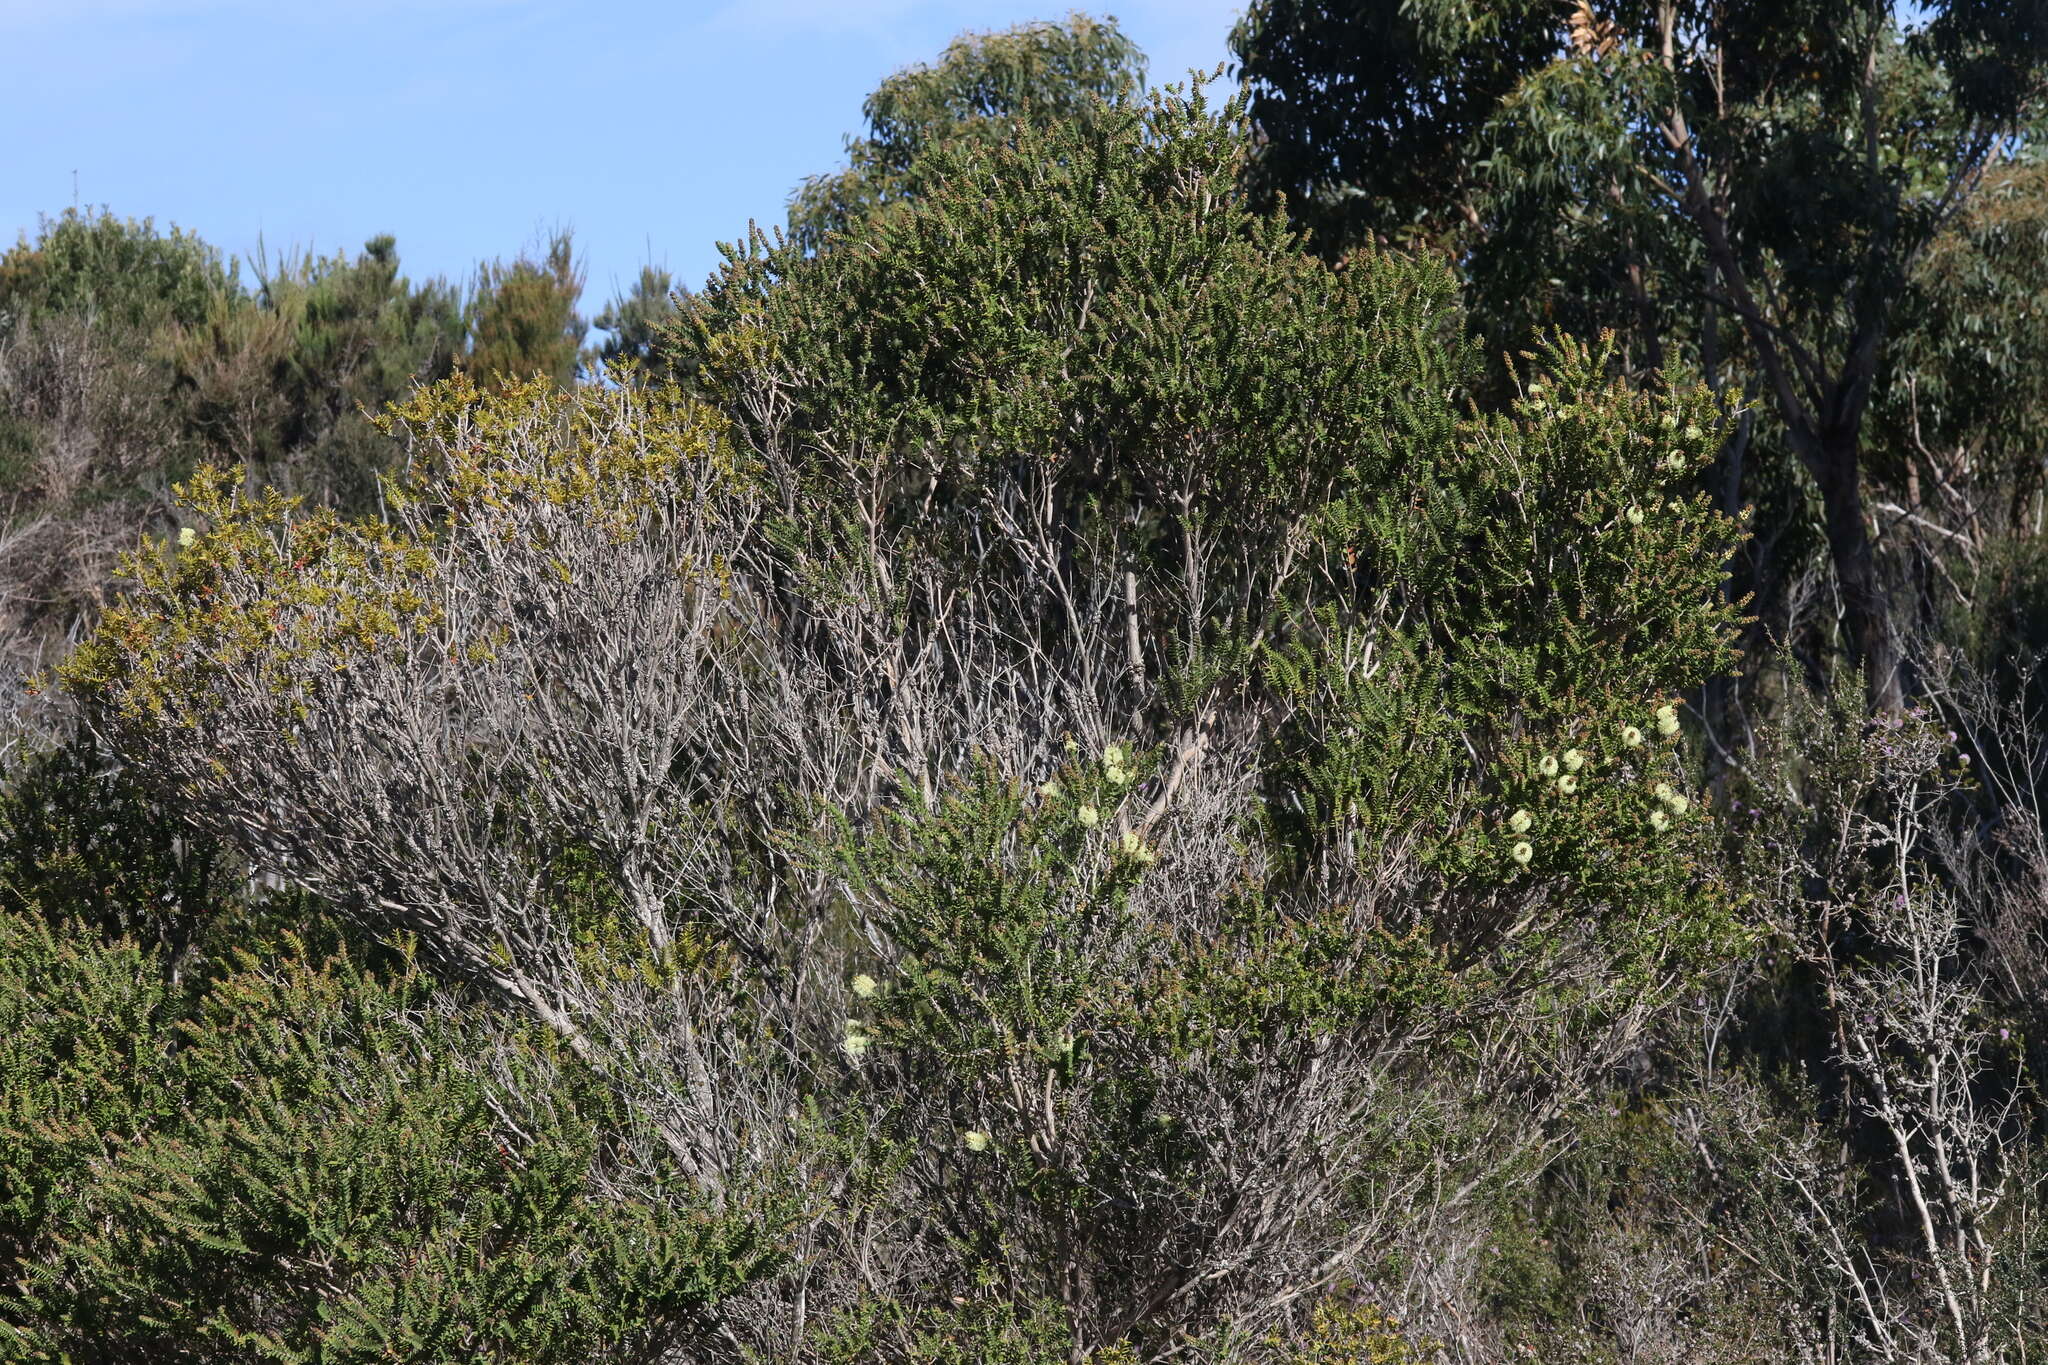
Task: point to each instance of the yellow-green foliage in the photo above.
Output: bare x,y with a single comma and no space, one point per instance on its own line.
270,588
261,594
593,449
1347,1333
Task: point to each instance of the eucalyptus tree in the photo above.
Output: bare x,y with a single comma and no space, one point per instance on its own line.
1699,175
1963,399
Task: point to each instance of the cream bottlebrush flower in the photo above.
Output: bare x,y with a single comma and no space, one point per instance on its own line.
1522,853
1679,805
185,538
864,986
1117,774
974,1140
1631,736
1088,816
1573,760
1667,726
1050,790
1675,462
1662,791
1547,765
1113,755
1635,516
1659,821
1520,821
855,1045
1692,433
1568,784
1131,843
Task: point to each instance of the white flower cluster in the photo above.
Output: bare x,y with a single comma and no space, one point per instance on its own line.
1564,771
856,1043
1113,766
1670,803
1138,850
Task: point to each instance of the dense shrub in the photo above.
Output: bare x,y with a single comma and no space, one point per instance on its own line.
251,1145
1087,748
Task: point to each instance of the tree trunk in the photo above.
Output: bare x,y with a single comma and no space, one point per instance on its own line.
1865,609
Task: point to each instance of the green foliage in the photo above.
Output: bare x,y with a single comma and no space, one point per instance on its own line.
1478,613
239,596
522,316
178,363
362,337
635,320
1295,995
2002,631
982,90
86,848
121,273
1096,304
1367,109
1742,190
1347,1333
1061,1042
299,1160
1961,397
968,1333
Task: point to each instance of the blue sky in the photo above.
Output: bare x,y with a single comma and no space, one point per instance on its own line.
468,128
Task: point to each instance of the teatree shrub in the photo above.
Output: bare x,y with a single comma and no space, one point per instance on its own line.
1440,642
1091,312
979,89
268,635
1090,1054
1553,585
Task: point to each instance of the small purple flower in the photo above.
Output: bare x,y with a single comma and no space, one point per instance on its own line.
2004,1034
